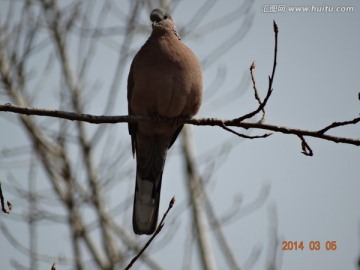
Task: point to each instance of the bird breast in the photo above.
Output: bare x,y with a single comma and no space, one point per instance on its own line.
168,80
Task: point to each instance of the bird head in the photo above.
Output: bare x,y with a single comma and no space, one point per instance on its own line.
162,21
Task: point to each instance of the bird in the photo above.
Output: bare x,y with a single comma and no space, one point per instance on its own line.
164,83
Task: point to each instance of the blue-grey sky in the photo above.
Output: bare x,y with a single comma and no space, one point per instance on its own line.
316,83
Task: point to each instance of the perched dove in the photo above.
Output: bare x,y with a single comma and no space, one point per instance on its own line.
165,82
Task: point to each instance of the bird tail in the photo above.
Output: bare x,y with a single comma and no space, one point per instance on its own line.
150,165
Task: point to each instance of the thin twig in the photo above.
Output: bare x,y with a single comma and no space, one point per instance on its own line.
246,136
307,151
256,93
160,226
271,80
339,124
3,208
72,116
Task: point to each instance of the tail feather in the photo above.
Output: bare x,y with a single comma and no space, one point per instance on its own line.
150,164
146,207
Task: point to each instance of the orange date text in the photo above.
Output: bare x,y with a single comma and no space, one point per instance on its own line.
311,245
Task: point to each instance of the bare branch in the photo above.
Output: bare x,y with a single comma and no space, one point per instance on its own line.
218,229
252,68
160,226
274,256
307,151
339,124
3,208
257,97
97,119
271,80
197,199
246,136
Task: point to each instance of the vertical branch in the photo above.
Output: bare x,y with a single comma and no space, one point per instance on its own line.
224,246
358,261
75,227
75,220
197,202
273,257
3,207
32,212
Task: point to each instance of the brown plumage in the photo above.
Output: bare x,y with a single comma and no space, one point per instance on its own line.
165,81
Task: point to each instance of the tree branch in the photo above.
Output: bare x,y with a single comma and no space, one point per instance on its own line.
271,80
160,226
3,207
197,199
99,119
